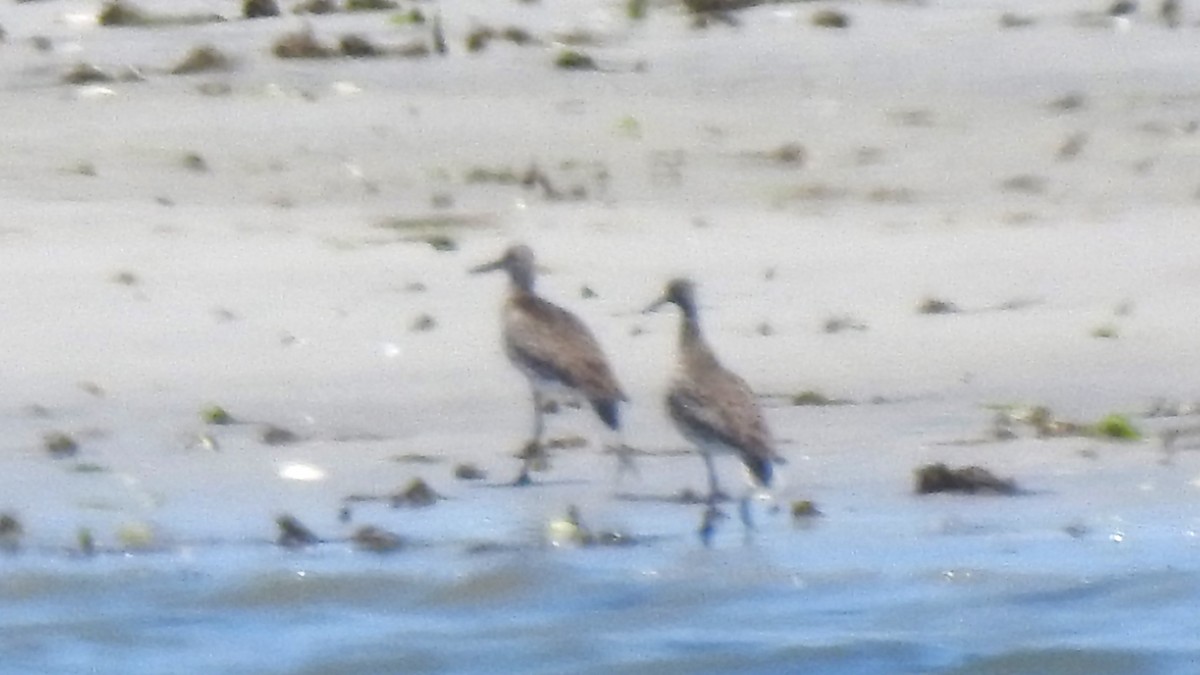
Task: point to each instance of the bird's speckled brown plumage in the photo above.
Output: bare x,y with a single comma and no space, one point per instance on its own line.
713,407
548,343
552,348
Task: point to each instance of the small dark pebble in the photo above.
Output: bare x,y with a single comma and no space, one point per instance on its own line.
423,324
938,477
301,45
11,532
92,389
804,508
690,496
273,435
117,13
441,242
357,46
1077,530
830,18
416,458
59,444
215,414
570,59
38,410
936,306
838,324
202,59
86,73
253,9
376,540
370,5
816,398
469,472
316,7
565,443
124,278
417,494
788,153
194,162
86,542
293,533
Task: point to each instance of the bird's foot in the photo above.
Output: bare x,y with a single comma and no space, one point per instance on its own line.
744,512
523,480
708,525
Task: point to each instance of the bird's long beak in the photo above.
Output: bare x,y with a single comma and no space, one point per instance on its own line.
653,307
487,267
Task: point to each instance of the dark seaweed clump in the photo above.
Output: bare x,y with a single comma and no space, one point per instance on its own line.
417,494
203,59
253,9
377,540
293,533
301,45
933,478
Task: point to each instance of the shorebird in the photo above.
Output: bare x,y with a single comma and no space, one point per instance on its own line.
714,408
557,354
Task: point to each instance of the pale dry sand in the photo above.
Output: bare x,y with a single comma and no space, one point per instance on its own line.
932,167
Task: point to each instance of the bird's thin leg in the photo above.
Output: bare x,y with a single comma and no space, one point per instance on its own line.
712,514
533,448
744,512
714,489
708,524
624,453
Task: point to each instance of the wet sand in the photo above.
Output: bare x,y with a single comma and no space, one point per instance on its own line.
289,240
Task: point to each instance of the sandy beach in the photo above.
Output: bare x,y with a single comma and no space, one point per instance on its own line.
941,213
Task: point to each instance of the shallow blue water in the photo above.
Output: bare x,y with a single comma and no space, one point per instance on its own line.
767,606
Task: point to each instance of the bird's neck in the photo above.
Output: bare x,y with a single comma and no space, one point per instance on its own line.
692,346
521,279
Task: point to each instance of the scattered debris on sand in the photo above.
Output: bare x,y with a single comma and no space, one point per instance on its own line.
571,59
254,9
60,444
812,397
469,471
932,305
276,435
570,531
377,540
120,13
87,73
830,18
203,59
11,532
215,414
417,494
302,44
1045,424
804,510
293,533
842,323
934,478
85,543
370,5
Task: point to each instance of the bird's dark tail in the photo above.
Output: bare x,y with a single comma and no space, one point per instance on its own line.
760,468
608,411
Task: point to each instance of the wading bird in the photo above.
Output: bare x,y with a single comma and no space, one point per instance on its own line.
557,354
714,408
